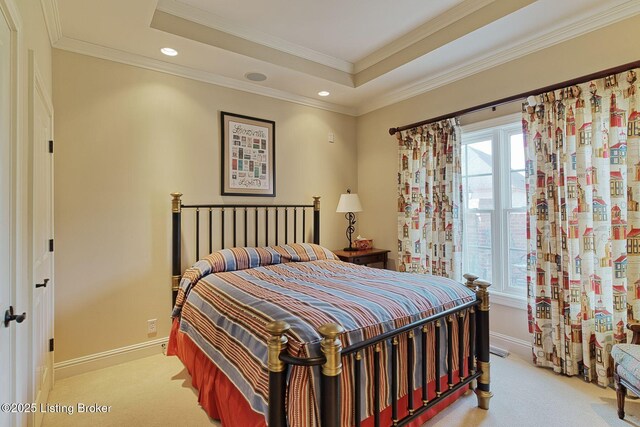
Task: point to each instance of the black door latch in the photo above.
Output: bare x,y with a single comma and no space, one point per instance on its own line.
42,285
9,316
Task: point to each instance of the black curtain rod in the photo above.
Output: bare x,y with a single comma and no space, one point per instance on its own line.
524,95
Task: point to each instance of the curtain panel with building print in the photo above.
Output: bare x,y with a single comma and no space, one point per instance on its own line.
583,223
430,199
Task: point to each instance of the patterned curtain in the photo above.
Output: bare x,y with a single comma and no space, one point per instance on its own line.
429,200
583,223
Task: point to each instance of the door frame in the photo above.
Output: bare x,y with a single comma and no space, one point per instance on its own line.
19,298
17,390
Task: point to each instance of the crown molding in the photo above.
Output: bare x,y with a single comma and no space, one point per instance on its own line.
52,20
509,53
423,31
102,52
216,22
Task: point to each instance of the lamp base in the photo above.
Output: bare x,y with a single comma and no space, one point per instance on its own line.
350,249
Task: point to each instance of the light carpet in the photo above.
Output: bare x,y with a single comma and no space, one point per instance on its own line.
156,391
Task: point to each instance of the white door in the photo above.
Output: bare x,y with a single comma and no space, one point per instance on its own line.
7,334
41,133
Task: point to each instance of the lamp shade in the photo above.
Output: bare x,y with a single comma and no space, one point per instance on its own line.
349,203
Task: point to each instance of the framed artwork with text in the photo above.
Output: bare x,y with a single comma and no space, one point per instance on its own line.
248,156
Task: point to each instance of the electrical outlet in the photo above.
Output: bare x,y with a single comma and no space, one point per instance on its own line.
151,326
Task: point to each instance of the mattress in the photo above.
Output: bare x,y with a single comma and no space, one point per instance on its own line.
226,300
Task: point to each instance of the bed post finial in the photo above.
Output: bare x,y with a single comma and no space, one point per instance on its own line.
483,392
331,347
176,202
316,203
277,343
469,283
277,373
483,294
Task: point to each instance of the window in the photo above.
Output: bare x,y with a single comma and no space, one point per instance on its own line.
493,179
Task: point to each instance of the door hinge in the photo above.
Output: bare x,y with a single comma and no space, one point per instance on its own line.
51,145
51,345
50,245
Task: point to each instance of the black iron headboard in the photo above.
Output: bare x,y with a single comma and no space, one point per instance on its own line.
243,224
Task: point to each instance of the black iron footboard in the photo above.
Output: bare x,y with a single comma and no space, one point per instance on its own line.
477,364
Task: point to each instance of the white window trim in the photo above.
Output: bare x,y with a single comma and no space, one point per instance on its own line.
497,121
509,300
497,296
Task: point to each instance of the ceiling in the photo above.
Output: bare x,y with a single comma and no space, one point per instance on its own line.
366,53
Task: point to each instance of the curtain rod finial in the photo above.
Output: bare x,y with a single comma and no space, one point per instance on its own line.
392,131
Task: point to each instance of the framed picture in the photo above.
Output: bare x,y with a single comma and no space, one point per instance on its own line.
248,156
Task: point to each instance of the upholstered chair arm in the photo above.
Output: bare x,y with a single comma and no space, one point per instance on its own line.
635,328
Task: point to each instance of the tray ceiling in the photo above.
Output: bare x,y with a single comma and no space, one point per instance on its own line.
366,53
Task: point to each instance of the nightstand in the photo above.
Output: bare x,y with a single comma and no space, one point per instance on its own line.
364,257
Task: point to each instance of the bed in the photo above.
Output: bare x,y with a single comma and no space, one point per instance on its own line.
283,333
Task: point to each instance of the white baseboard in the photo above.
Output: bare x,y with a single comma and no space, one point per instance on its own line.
80,365
513,345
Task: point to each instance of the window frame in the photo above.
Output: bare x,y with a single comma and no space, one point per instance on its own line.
497,130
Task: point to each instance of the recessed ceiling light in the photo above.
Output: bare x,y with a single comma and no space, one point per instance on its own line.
169,51
324,93
255,77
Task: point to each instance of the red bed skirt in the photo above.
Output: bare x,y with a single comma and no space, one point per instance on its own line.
222,401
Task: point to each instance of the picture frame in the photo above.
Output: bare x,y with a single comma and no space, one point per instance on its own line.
248,155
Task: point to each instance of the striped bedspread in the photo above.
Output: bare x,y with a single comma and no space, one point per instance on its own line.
226,299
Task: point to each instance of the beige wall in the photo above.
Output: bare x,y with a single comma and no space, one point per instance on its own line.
125,138
377,168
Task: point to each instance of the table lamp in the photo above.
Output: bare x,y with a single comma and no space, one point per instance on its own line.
348,204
